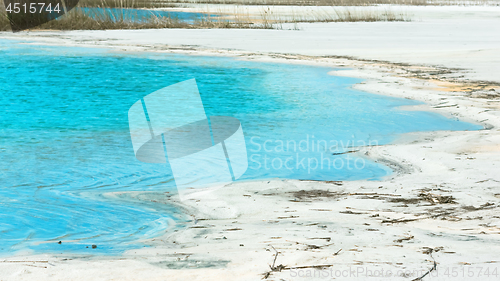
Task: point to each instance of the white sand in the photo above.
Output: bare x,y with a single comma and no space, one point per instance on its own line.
455,37
238,224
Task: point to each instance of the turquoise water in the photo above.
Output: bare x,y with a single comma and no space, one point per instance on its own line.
138,15
64,138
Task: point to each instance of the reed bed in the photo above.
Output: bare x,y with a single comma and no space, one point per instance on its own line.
181,3
305,2
81,19
151,4
269,18
338,2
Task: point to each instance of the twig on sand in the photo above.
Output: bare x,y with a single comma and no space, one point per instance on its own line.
374,193
281,267
404,239
35,265
275,257
416,219
320,266
274,268
345,152
398,220
24,261
434,267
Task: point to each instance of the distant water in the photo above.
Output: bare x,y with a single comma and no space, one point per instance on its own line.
138,15
64,138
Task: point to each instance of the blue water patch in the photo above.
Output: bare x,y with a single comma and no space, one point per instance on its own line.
140,15
65,142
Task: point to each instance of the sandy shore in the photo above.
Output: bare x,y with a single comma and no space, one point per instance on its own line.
439,210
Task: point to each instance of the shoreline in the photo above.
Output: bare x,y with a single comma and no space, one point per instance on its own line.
441,208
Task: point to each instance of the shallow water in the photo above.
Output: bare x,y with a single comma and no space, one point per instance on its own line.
64,138
138,15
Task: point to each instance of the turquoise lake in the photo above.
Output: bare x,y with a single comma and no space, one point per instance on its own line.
64,136
139,15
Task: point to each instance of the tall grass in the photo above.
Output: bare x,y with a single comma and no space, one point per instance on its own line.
317,2
84,19
269,18
80,19
335,2
349,15
126,4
